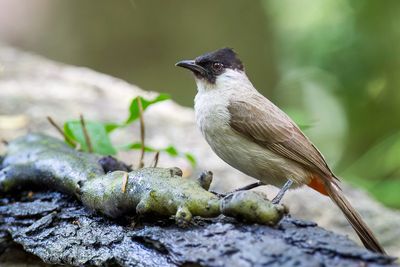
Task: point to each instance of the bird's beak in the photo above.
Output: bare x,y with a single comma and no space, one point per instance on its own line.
191,65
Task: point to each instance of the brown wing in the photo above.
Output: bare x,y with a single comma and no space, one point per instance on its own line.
263,122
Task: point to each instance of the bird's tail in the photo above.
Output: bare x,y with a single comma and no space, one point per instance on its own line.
354,218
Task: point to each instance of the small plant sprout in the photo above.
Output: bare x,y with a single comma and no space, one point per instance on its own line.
86,134
155,160
94,137
58,128
142,132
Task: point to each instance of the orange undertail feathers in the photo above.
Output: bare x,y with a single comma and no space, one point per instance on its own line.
317,184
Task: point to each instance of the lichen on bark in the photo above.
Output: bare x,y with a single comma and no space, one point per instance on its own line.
40,160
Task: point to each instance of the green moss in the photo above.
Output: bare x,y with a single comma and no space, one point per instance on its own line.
150,191
252,206
43,160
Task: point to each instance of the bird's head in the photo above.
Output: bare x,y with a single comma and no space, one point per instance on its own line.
210,68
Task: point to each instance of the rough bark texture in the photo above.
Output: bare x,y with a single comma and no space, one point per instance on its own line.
59,230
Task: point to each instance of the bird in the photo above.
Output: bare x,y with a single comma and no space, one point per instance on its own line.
256,137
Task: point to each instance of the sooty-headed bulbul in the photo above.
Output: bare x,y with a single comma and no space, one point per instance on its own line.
253,135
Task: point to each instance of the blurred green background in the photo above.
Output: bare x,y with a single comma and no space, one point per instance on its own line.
333,65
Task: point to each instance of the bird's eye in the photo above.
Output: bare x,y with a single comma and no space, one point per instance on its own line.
217,66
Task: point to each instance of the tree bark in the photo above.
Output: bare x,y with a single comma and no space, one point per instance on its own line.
59,230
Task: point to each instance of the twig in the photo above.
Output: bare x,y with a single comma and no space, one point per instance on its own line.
155,160
142,132
86,134
58,128
124,182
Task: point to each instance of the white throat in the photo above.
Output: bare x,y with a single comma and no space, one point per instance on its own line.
212,100
229,80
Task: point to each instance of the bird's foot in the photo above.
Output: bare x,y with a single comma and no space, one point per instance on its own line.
247,187
277,199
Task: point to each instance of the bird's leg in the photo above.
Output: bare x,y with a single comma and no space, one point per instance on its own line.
247,187
282,192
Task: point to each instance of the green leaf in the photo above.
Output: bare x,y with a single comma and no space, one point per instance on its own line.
134,107
190,157
170,150
137,146
99,138
111,126
134,111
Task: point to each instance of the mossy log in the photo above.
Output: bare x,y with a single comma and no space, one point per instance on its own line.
40,160
58,229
